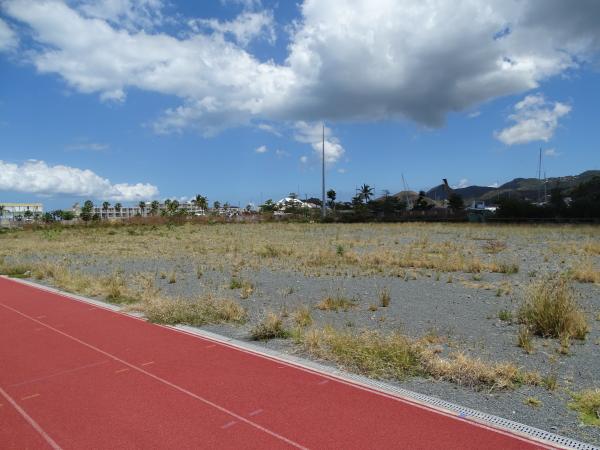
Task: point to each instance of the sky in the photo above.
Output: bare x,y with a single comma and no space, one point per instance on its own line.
124,100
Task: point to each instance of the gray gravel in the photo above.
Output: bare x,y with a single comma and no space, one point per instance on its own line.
468,316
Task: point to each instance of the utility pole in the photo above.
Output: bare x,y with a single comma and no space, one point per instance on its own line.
540,177
323,175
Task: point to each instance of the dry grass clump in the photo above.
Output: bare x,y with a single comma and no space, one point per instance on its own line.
493,247
384,297
197,312
368,353
587,403
336,303
585,273
550,309
525,339
395,356
271,327
476,373
302,317
15,270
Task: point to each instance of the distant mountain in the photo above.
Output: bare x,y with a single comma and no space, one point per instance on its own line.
526,188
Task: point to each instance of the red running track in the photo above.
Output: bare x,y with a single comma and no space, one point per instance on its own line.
74,375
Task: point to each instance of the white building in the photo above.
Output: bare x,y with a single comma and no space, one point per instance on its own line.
128,212
289,202
20,212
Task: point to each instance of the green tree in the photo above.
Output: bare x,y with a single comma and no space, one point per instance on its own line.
331,195
105,207
142,206
366,192
421,203
86,210
201,202
455,202
118,207
154,207
268,206
216,205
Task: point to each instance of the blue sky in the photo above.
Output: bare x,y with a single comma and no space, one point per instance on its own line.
126,101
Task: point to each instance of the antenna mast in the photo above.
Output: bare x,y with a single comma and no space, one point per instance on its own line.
323,175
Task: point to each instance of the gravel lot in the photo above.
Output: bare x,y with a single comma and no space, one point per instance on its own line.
293,265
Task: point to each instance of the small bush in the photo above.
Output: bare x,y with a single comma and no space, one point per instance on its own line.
336,303
302,317
368,352
524,339
550,309
505,315
534,402
587,404
194,312
235,283
384,297
271,327
493,247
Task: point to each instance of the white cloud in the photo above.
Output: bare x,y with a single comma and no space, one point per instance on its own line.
262,149
131,14
474,114
494,185
304,159
341,170
347,59
462,183
551,152
8,39
245,28
535,119
269,129
312,133
281,153
37,177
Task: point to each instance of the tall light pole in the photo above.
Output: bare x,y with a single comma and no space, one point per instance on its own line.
323,175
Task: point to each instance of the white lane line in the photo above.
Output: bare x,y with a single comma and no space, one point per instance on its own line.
321,383
162,380
147,363
255,413
64,372
295,364
27,397
30,420
229,424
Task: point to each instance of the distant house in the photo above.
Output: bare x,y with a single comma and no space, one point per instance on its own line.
290,203
20,212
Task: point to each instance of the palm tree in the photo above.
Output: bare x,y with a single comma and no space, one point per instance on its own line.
118,207
331,195
1,211
105,207
142,206
366,192
154,206
201,202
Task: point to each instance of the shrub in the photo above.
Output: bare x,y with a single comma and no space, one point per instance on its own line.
384,297
194,312
587,404
302,317
550,309
335,303
271,327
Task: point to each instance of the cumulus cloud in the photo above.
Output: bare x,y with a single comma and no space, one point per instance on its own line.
312,133
245,28
262,149
551,152
346,60
8,39
130,14
535,119
37,177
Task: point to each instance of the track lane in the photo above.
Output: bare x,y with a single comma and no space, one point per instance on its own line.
308,408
